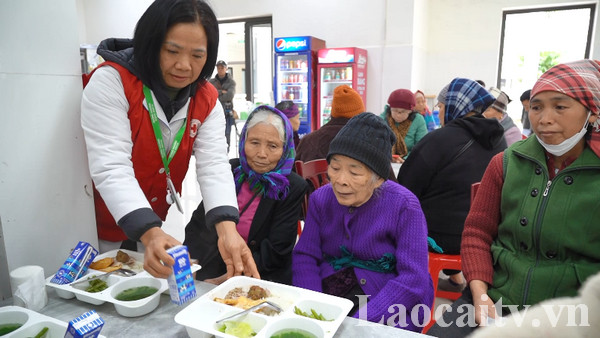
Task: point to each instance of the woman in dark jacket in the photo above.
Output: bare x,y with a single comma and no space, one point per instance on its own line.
442,167
269,196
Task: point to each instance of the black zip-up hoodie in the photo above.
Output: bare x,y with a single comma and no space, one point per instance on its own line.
442,181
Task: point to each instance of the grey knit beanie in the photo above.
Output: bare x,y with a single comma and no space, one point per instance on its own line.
443,93
368,139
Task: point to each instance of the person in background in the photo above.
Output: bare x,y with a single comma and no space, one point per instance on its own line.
497,111
531,234
442,167
165,68
269,195
364,234
421,107
290,110
406,123
441,104
481,83
226,88
346,104
525,115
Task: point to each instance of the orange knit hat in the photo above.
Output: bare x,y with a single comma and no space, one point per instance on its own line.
346,102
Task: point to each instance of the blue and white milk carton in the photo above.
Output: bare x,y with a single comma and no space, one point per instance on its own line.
181,282
88,325
76,264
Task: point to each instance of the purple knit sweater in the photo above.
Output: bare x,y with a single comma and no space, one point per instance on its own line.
390,222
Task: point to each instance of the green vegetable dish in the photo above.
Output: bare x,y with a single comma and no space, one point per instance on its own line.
293,333
136,293
97,285
238,329
313,314
8,328
42,333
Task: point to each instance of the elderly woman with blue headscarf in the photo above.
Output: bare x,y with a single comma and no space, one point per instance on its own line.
269,197
441,168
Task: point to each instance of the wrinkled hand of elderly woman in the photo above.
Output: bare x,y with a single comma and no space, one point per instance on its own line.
234,251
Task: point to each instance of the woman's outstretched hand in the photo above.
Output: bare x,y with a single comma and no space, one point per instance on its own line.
234,251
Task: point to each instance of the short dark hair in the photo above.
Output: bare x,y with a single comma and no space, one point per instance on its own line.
283,105
526,94
152,28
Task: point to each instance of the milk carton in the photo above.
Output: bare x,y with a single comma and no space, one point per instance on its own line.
76,264
181,281
88,325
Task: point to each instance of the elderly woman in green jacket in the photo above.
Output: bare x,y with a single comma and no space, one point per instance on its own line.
532,232
408,125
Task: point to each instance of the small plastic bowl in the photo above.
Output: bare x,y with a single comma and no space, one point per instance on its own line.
294,324
95,297
139,307
14,317
54,329
329,311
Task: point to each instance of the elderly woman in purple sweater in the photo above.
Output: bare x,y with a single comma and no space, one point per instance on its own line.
365,237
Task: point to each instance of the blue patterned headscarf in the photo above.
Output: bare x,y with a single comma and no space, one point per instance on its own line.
464,96
273,184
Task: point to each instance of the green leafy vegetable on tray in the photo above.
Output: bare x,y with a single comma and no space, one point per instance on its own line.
42,333
97,285
313,314
238,329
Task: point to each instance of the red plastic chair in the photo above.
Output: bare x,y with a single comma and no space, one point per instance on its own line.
439,262
315,172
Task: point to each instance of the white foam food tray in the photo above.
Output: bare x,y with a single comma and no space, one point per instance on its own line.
32,323
116,284
199,318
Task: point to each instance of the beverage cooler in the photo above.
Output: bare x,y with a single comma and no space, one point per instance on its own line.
295,66
339,66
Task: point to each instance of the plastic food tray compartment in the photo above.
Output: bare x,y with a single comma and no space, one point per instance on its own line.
116,284
199,318
31,323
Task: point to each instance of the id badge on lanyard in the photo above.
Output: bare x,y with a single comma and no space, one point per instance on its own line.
172,195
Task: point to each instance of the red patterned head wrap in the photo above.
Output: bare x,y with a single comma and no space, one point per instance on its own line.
579,80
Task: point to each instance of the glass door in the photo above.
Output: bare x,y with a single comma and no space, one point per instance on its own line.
259,60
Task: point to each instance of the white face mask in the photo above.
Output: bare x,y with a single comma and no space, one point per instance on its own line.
568,144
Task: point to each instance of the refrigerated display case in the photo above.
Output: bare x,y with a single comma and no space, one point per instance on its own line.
295,66
339,66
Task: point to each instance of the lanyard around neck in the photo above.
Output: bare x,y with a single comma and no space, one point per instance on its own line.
158,134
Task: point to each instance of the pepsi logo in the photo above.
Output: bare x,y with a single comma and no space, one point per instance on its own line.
280,44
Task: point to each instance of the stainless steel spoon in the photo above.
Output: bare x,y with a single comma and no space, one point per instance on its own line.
121,271
255,307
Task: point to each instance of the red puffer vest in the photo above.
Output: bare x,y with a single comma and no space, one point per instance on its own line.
147,162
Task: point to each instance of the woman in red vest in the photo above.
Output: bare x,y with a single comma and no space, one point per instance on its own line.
144,112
